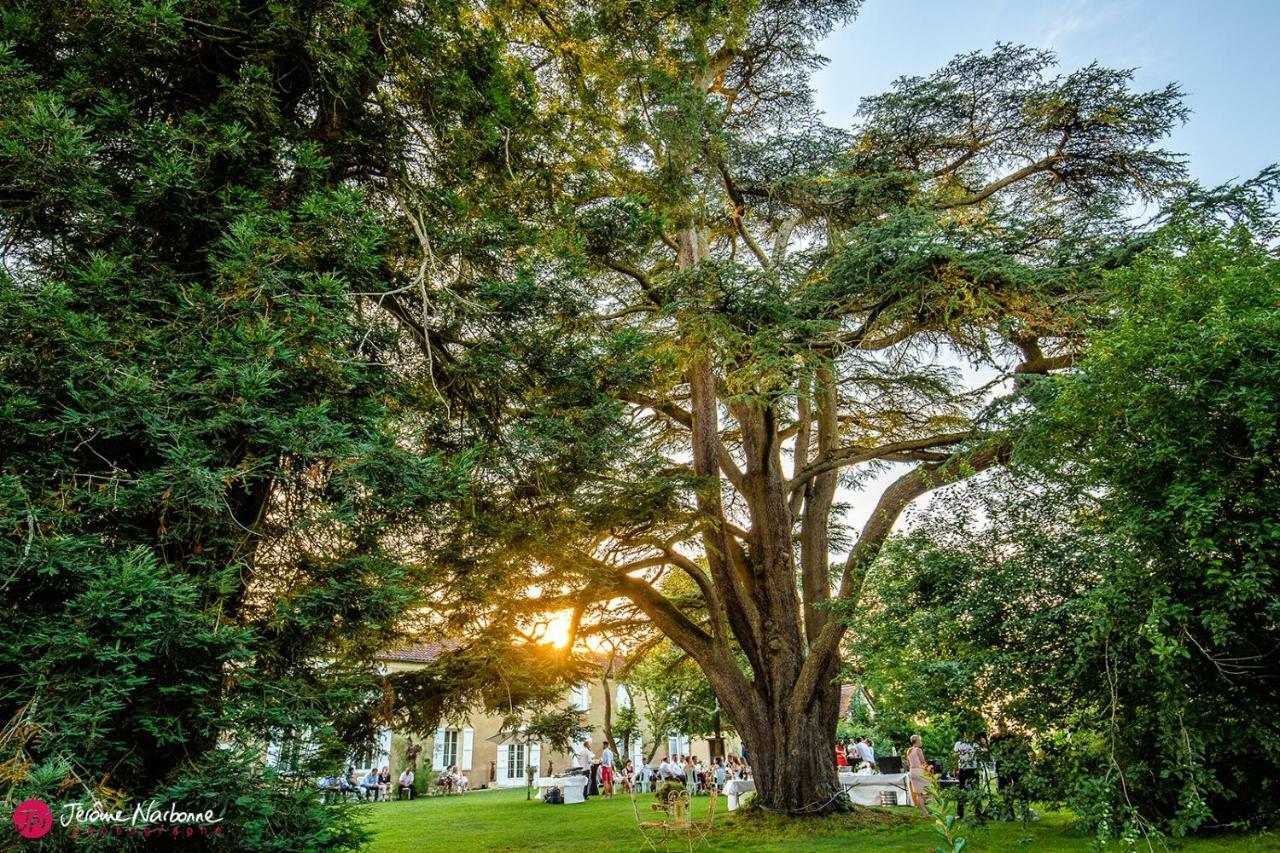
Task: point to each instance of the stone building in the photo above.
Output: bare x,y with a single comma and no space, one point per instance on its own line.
491,757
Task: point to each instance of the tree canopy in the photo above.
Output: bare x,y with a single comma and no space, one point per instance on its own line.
758,306
332,324
1116,596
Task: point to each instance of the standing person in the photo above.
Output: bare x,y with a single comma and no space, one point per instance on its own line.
842,760
606,770
585,758
721,773
919,782
966,753
866,751
584,755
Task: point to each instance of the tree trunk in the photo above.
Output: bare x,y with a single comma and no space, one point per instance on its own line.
608,710
793,764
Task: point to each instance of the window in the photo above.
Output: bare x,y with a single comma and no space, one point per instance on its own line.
375,755
364,759
450,747
580,697
515,761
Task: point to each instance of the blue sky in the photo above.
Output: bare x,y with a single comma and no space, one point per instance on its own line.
1223,52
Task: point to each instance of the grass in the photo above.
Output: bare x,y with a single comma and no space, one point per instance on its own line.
504,821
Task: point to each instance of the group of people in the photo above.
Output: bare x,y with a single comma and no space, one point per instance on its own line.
969,756
607,767
855,753
453,781
374,785
689,770
699,777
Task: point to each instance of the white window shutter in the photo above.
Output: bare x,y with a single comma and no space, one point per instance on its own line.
535,758
437,753
468,737
502,760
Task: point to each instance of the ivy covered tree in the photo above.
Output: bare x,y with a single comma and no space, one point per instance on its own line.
767,307
213,438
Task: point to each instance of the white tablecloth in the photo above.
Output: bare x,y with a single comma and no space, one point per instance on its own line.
737,790
862,788
571,786
865,788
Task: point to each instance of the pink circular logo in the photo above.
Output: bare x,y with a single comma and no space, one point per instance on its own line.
33,819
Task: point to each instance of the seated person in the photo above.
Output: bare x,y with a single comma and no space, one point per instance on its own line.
384,783
349,785
405,788
369,784
459,780
329,785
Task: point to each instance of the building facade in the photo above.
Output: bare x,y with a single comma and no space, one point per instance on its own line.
491,757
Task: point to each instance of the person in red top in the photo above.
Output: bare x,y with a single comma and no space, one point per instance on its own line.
841,756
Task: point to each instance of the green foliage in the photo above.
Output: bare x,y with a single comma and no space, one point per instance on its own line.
210,448
666,788
626,728
557,729
948,827
676,697
1117,596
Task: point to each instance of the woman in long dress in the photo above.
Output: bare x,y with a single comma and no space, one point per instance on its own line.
917,767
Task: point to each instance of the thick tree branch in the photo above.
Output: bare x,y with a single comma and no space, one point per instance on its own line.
892,502
846,456
666,616
1041,165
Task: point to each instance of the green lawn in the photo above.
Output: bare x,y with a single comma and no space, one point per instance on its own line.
503,820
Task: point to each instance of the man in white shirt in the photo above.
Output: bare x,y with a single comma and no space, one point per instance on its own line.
966,753
664,769
867,752
606,771
405,788
585,757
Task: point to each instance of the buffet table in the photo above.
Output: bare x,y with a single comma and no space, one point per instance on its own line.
865,788
862,788
572,787
737,790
